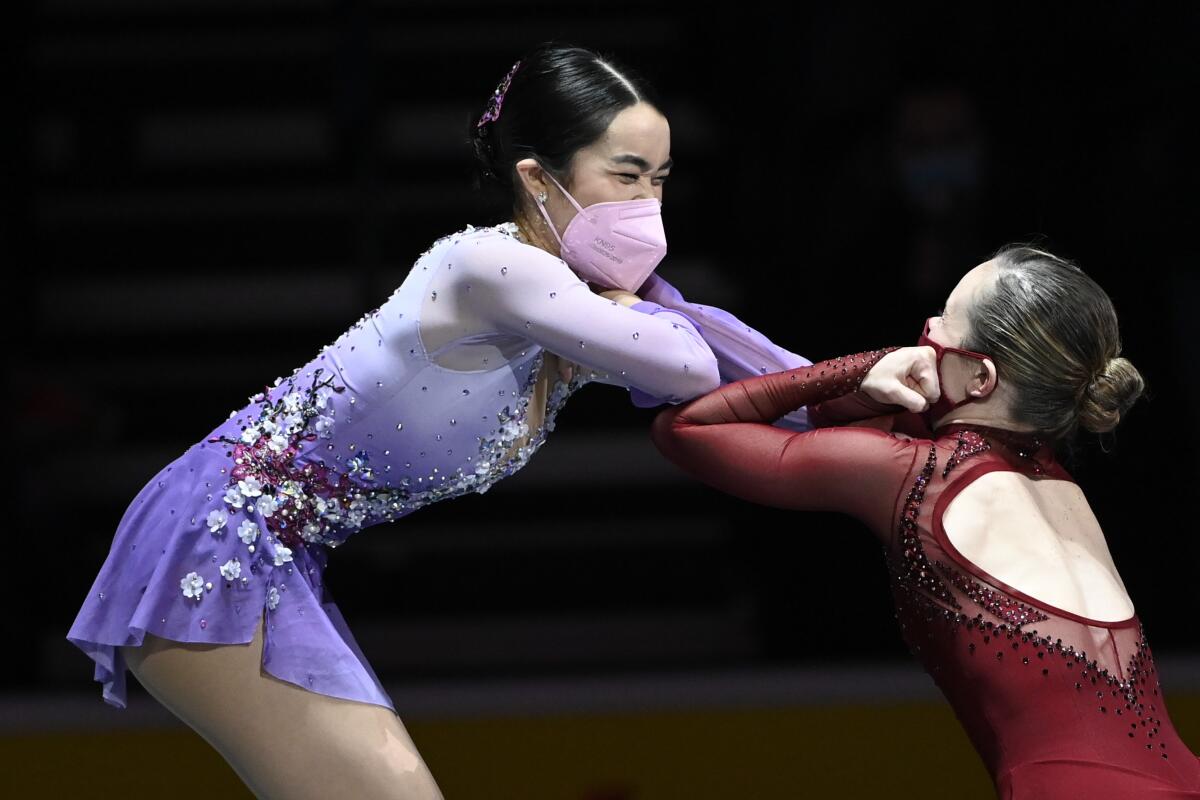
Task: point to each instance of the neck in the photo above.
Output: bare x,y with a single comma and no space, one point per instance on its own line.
537,235
1003,423
999,425
990,411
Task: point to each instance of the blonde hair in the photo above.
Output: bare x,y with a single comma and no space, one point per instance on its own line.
1052,333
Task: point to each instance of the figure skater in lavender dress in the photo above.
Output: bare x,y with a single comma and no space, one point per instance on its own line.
213,594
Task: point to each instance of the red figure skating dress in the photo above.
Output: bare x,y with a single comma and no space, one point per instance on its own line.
1056,704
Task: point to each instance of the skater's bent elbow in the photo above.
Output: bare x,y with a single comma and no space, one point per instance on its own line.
682,380
698,378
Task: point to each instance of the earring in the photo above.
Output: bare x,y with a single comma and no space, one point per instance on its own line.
542,197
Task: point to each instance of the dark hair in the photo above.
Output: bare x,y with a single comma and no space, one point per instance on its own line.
1052,333
560,99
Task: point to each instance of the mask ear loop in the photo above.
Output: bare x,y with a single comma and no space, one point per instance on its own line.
566,194
939,351
546,216
971,354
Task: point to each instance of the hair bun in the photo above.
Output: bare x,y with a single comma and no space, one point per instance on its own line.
1110,394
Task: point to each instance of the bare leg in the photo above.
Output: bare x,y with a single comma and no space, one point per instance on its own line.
284,742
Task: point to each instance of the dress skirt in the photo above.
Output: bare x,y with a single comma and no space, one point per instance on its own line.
185,564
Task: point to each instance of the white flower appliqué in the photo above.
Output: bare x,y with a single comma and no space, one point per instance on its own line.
323,425
231,569
272,598
234,497
192,585
248,531
282,554
294,423
216,520
267,505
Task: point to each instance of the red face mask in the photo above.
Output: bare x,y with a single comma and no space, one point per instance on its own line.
943,405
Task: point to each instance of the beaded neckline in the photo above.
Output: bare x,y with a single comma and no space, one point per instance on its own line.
1004,434
512,229
1028,447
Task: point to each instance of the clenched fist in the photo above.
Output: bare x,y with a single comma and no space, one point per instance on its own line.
906,376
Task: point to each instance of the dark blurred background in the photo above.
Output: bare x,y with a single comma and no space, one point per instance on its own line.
202,194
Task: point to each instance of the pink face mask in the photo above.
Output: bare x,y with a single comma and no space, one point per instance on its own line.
615,244
943,405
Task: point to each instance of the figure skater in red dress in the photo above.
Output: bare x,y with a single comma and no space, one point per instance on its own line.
1003,582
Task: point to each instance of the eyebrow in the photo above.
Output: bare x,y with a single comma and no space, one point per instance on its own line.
639,162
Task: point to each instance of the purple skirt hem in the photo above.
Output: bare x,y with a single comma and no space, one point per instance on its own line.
163,538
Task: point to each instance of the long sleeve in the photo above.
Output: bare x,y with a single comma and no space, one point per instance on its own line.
723,439
741,350
858,408
522,290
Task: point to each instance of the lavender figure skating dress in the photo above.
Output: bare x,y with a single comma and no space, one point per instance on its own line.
422,399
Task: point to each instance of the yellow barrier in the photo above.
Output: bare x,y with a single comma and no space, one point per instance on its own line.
896,751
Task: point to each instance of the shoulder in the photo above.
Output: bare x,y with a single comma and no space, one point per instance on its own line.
491,238
507,232
445,242
867,444
471,236
879,428
497,254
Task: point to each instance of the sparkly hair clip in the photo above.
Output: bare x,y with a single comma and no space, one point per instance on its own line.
497,99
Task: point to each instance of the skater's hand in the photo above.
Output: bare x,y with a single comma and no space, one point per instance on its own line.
906,376
621,296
